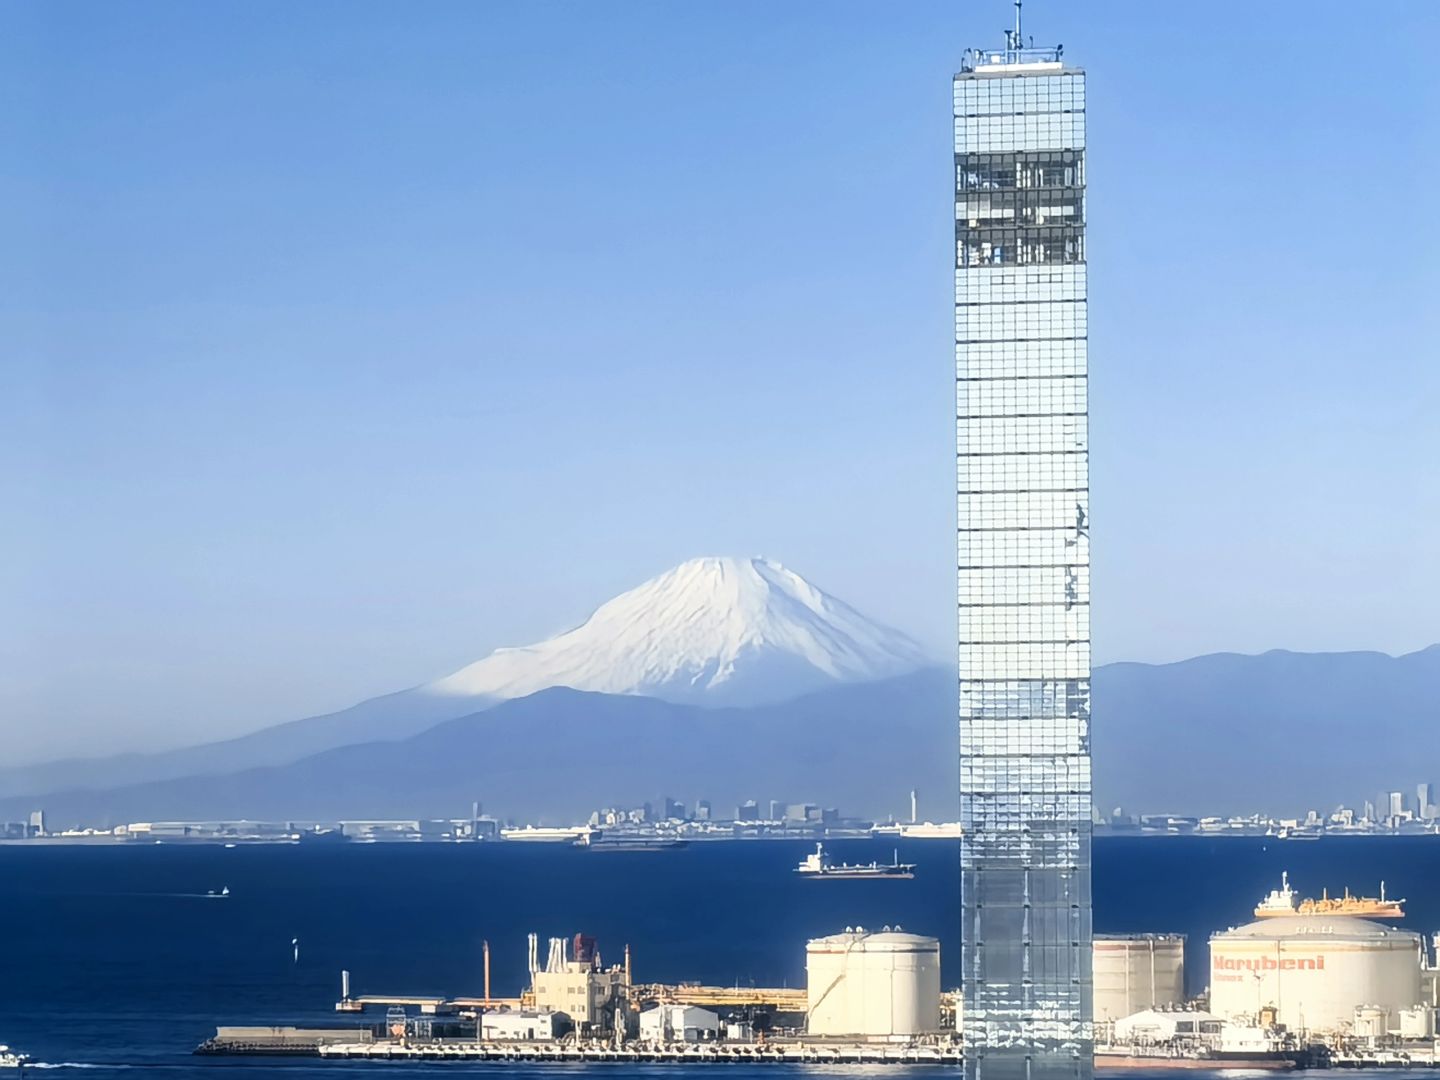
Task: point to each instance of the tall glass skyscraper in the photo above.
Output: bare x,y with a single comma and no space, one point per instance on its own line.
1024,564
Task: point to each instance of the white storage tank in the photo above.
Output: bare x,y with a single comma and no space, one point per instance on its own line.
1137,972
873,985
1315,971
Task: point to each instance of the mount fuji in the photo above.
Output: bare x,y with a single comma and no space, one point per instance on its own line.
712,632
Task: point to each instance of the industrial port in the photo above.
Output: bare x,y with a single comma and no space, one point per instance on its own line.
1305,982
871,996
1316,986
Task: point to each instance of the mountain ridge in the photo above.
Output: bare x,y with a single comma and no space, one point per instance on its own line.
612,745
1278,732
713,631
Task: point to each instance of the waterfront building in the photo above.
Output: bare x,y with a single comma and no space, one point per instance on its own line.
678,1023
1024,563
577,986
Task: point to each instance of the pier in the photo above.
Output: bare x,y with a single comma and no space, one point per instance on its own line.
781,999
777,1053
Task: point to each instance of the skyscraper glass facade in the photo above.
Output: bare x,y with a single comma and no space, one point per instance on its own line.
1024,565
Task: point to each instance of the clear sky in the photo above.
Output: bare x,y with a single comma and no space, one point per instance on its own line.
345,341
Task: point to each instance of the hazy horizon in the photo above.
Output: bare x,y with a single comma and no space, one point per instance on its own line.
346,350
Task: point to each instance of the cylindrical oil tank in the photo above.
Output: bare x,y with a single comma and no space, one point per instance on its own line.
1314,970
1135,972
872,985
1417,1022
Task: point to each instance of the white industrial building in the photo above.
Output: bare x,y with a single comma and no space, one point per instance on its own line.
1159,1027
678,1023
1316,973
1136,972
883,985
505,1025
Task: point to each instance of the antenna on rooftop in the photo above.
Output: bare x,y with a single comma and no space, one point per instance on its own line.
1015,39
1017,49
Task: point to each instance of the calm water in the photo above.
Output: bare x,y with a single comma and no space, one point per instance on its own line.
112,957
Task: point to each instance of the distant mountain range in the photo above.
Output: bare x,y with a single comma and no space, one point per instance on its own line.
1280,732
711,631
731,679
558,754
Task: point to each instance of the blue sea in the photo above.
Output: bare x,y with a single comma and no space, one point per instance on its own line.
113,958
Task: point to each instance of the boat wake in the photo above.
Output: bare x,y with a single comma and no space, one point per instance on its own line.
75,1065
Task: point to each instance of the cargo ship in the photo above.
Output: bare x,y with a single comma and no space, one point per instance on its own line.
599,841
1285,901
818,864
1151,1059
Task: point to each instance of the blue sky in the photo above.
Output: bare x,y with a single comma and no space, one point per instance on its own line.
347,341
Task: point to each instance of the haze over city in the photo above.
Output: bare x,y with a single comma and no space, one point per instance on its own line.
343,351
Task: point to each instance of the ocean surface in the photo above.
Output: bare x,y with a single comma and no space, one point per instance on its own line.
114,958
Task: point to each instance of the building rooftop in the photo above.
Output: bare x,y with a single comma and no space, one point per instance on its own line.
1016,58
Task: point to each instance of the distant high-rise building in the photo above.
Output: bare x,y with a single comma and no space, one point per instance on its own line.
747,811
702,810
801,812
1024,564
674,809
1425,801
37,823
777,810
1396,800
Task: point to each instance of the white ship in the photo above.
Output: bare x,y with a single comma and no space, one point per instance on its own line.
819,865
12,1059
930,830
542,834
919,830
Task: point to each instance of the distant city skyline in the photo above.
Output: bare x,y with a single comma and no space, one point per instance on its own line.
348,344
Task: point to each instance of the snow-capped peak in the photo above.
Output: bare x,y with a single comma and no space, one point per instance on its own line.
711,631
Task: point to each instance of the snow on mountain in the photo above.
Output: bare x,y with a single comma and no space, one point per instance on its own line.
710,631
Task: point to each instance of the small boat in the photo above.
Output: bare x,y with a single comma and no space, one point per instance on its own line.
819,865
12,1059
221,895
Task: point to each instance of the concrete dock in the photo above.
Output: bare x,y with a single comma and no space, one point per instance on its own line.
362,1044
773,1052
